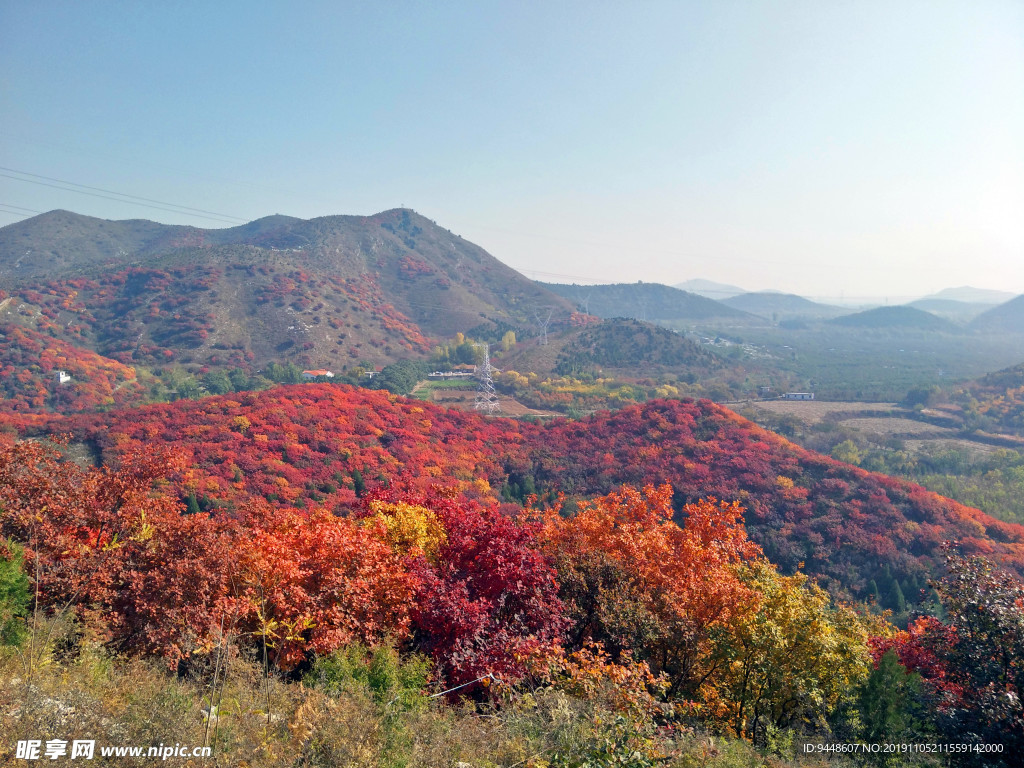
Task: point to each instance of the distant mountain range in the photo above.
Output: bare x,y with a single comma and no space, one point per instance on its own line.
650,302
779,306
710,289
972,295
951,309
963,295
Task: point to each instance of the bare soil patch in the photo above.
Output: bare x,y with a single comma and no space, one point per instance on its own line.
465,400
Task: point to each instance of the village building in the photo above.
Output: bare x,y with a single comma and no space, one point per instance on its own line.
798,396
311,375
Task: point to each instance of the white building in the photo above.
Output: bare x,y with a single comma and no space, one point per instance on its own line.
311,375
798,396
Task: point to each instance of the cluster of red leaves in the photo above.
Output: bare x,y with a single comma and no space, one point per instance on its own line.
489,596
918,649
111,545
310,584
105,543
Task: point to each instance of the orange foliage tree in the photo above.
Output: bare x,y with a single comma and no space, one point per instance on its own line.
310,584
634,579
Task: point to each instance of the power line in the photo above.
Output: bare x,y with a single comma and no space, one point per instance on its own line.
78,151
122,197
121,194
18,207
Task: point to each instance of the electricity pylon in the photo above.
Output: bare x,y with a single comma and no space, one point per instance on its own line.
486,397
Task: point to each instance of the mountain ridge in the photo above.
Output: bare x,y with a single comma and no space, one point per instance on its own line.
326,292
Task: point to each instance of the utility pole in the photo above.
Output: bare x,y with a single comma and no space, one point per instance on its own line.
486,397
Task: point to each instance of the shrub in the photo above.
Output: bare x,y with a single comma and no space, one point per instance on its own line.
14,594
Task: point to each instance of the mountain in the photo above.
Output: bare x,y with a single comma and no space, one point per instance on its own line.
772,305
1008,317
972,295
62,244
650,302
326,293
896,318
957,311
320,445
710,289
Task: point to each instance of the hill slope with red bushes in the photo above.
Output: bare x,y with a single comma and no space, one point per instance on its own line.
326,293
321,446
29,361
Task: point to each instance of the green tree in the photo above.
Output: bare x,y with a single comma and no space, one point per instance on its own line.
399,378
217,383
891,708
239,379
14,594
188,389
288,373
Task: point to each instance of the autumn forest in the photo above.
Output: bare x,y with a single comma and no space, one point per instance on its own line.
197,548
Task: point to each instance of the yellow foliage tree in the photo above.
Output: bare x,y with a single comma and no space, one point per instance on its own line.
792,662
407,528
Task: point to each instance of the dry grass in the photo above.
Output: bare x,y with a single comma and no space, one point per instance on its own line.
816,411
894,427
75,689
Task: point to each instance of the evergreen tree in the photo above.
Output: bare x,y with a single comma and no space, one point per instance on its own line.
889,704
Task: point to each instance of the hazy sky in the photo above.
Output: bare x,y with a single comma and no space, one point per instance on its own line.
828,148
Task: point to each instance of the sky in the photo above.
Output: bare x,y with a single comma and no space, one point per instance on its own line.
838,150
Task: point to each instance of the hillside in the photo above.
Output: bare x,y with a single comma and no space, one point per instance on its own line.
329,292
63,244
1000,397
639,348
774,306
1006,318
323,445
896,318
650,302
29,362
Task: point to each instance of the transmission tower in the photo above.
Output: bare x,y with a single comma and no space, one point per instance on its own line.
542,325
486,397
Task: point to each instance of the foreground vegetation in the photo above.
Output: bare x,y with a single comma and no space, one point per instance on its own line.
423,627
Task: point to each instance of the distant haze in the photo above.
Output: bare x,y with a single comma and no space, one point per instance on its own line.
847,152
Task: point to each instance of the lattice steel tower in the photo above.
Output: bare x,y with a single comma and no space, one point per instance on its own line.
486,397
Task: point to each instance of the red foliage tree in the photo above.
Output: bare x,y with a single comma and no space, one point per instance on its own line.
488,598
